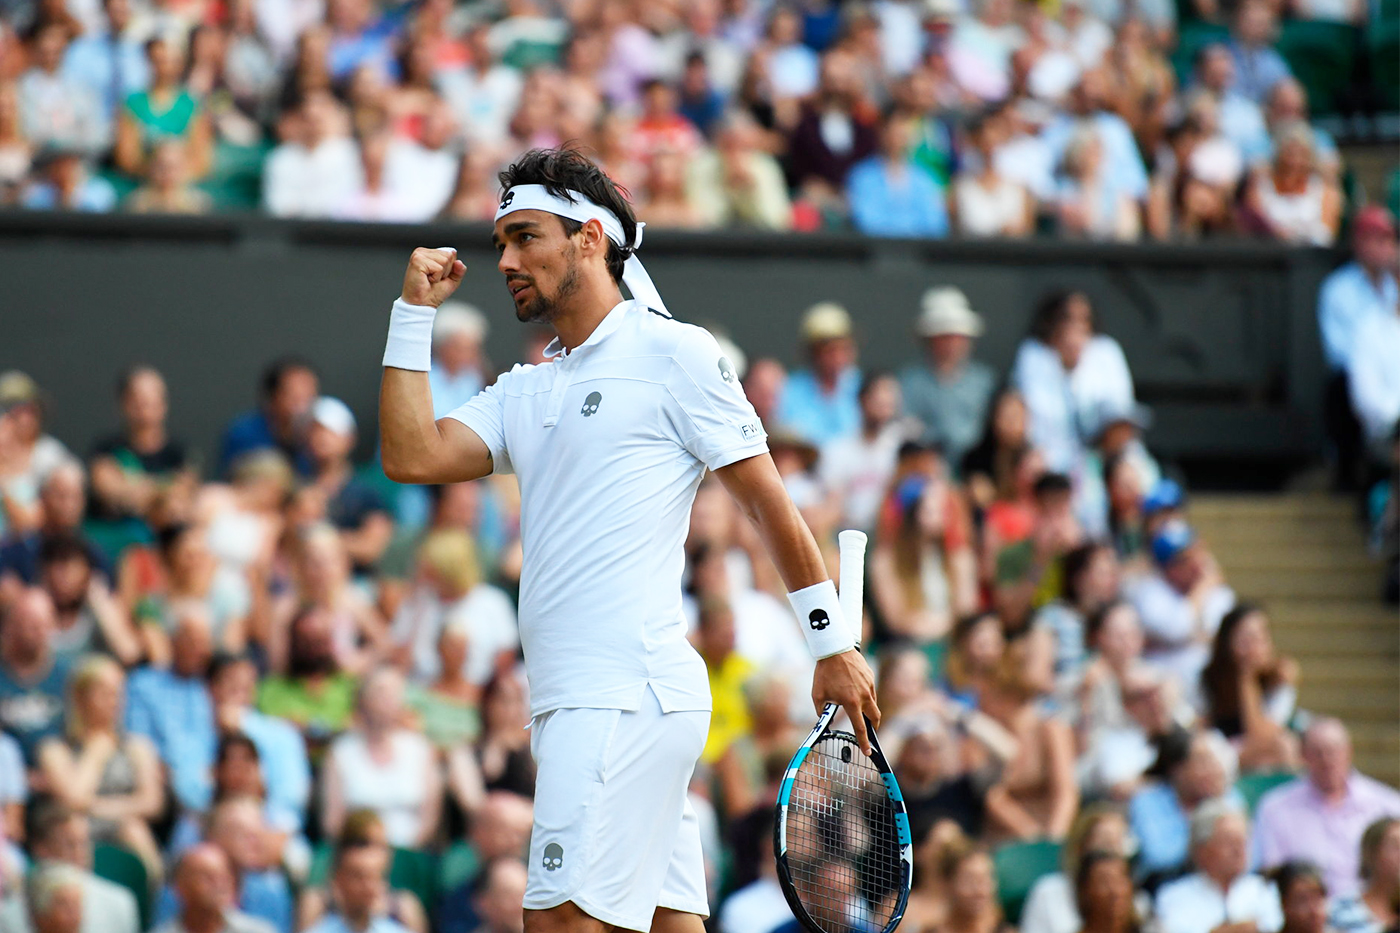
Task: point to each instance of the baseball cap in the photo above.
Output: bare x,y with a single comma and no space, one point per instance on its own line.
1373,219
333,415
946,311
825,320
1173,538
1166,494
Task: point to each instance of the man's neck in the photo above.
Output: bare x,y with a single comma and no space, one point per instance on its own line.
871,430
148,437
596,297
1334,797
1376,276
197,920
1220,882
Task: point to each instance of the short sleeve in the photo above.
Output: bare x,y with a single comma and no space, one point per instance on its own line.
708,410
484,413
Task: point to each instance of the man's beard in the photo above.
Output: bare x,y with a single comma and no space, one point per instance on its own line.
543,309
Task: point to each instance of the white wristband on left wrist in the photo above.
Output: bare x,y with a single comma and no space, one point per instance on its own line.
822,621
410,343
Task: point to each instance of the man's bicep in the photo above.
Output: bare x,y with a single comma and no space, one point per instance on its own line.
752,481
465,456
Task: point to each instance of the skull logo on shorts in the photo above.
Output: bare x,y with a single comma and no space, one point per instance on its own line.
590,404
553,856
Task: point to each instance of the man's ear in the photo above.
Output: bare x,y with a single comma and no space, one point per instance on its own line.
592,238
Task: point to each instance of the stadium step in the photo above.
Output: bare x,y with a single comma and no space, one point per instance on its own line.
1303,557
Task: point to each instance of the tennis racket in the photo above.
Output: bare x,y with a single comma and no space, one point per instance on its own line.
845,854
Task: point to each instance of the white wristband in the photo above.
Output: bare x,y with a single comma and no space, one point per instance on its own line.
410,344
819,613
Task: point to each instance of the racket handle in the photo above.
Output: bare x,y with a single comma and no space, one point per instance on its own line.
852,592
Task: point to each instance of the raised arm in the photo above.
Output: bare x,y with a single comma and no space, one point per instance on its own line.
416,448
845,678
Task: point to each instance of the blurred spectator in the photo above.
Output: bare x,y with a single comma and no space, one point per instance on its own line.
660,126
1181,603
352,506
1374,907
1193,768
970,880
62,181
1140,69
32,676
55,899
833,134
1323,814
923,575
1037,796
699,101
764,384
950,391
1068,374
820,404
287,392
857,469
737,183
1091,584
379,765
16,152
1100,831
167,189
57,110
1250,692
205,882
112,64
727,671
1222,890
376,198
742,771
1290,199
500,830
1103,893
62,502
1362,289
891,196
482,95
460,368
166,110
58,836
88,617
666,200
1125,174
1372,380
1089,204
363,828
1197,172
133,468
476,195
317,167
988,469
450,590
28,454
1239,117
97,770
793,67
447,707
499,889
759,906
984,202
1258,65
1287,103
1302,897
503,750
315,693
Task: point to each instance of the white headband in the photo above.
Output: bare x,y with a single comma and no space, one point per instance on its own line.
581,209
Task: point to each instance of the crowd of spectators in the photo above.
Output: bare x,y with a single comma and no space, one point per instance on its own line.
279,686
1089,119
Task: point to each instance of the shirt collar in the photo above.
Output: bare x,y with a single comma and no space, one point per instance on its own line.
602,332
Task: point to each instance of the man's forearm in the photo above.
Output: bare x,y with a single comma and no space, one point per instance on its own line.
788,539
407,430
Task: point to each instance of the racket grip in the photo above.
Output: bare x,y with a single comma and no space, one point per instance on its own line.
852,592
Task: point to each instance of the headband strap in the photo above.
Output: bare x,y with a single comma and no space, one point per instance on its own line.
579,208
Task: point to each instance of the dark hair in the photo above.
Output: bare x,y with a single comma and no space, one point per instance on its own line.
279,369
1293,872
44,816
225,660
348,847
63,547
870,380
1051,483
1220,679
1052,311
1094,623
235,740
564,172
1087,863
1075,563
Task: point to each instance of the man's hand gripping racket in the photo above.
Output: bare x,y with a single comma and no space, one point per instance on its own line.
842,841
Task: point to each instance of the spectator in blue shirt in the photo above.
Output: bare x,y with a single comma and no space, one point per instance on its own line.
889,195
699,102
352,506
289,387
66,184
32,676
1362,288
1258,65
112,63
820,404
62,503
1087,104
1241,119
361,887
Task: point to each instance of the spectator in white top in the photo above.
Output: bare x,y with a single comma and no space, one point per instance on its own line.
1288,103
986,203
793,68
1362,289
1222,896
484,94
1181,603
1089,204
1373,376
1290,199
380,766
459,366
56,108
316,170
1051,906
1241,120
1088,104
857,469
1068,375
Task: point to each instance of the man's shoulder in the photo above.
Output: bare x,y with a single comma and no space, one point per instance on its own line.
1274,803
1341,277
111,896
1182,890
239,922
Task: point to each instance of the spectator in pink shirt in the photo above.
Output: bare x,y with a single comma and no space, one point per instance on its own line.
1322,815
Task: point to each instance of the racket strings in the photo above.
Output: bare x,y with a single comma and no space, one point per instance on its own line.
842,841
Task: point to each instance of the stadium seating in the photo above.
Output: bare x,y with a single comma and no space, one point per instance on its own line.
1019,866
119,866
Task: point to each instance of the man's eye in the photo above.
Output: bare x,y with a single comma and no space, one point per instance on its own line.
526,236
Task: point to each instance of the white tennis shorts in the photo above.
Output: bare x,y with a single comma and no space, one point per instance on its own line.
614,831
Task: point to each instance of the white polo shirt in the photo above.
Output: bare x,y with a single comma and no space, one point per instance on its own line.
609,443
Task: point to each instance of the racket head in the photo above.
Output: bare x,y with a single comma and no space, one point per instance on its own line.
842,826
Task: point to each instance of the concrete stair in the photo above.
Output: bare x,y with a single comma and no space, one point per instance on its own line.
1303,556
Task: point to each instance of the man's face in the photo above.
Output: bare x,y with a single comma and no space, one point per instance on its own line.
1225,854
62,499
64,913
1327,758
191,646
328,446
1217,69
49,48
67,582
295,394
359,879
235,686
237,828
69,842
832,357
29,625
1305,907
499,905
205,880
949,350
1375,251
118,14
503,827
1201,775
539,261
880,404
1184,571
144,404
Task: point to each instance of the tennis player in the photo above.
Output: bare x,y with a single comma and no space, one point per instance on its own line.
608,441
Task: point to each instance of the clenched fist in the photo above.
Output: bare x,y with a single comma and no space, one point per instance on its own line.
432,276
